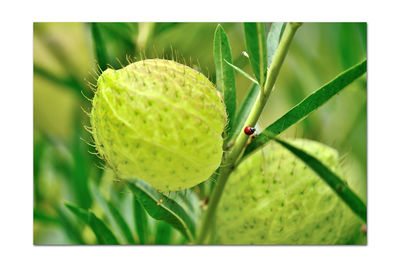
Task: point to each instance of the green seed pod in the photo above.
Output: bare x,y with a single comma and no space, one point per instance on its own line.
274,198
159,121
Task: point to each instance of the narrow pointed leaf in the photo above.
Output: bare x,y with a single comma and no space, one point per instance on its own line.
122,224
71,229
256,47
245,109
308,105
274,36
141,221
242,72
337,185
163,208
111,212
103,234
99,46
225,74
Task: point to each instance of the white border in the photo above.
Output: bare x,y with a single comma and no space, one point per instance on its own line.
16,132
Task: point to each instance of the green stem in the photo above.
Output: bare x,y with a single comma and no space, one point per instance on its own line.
232,156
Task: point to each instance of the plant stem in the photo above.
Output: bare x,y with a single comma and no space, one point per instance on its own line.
231,157
227,166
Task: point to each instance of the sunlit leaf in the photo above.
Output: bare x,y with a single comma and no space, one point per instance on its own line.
225,74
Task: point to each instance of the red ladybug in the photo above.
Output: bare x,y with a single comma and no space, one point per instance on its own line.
249,130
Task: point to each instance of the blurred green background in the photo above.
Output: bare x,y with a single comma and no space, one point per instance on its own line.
65,62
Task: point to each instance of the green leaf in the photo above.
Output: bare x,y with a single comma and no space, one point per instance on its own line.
245,109
122,224
163,208
103,234
64,82
225,74
274,36
242,72
341,188
141,221
62,56
70,228
112,212
40,146
80,169
256,47
41,216
163,233
124,31
309,104
161,27
190,202
99,46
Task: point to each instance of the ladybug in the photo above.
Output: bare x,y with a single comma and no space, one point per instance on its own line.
249,130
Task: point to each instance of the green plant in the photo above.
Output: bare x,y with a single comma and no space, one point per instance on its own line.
188,217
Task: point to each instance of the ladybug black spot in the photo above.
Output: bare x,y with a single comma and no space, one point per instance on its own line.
249,130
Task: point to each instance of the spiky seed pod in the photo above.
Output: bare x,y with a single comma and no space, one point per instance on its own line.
159,121
274,198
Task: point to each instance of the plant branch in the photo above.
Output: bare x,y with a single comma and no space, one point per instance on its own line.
231,157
